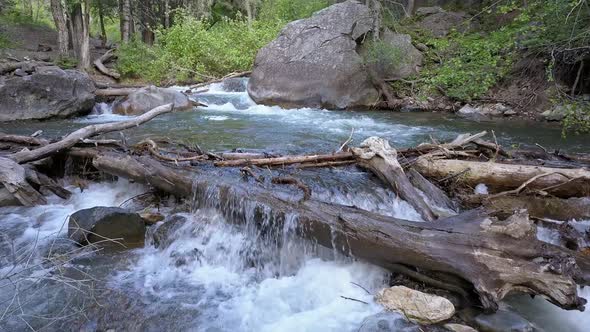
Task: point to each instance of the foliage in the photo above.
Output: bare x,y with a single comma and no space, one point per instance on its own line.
379,55
577,116
67,63
4,41
194,49
14,15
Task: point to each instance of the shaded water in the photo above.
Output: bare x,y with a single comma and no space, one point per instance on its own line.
215,275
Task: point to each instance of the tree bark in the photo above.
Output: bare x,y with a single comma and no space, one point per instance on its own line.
103,32
286,160
556,181
99,64
495,259
81,34
380,158
61,25
125,21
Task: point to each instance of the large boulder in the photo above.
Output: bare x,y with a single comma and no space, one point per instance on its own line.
418,307
146,99
314,63
49,92
100,223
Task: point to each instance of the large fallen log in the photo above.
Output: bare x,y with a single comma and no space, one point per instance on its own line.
13,177
378,156
99,64
495,258
286,160
555,181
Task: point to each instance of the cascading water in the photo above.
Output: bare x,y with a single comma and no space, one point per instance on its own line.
214,273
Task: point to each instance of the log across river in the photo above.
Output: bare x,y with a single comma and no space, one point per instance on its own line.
252,278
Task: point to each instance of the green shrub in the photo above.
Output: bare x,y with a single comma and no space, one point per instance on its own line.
577,116
285,11
381,55
4,41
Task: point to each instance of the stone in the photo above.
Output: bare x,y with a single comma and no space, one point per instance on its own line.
20,73
162,236
49,92
459,328
7,199
510,112
422,47
148,98
314,63
557,113
98,223
387,322
234,84
503,321
417,306
151,219
484,110
407,59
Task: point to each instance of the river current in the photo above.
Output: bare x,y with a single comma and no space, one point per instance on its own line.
242,279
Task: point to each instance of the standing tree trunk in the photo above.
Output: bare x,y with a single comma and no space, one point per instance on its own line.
103,32
125,21
167,14
410,8
28,7
248,5
81,34
59,17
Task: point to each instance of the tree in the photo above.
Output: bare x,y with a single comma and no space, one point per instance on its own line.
80,17
59,17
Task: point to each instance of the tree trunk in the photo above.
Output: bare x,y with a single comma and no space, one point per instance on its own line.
495,259
555,181
167,14
103,32
81,35
410,8
61,25
125,21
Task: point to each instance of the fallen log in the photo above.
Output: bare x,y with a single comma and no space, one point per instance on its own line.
23,140
99,64
471,246
286,160
86,132
555,181
380,158
115,92
13,177
434,194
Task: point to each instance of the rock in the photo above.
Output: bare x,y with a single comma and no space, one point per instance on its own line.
459,328
406,59
7,199
106,222
510,112
425,11
557,113
47,93
146,99
234,84
162,237
485,110
440,24
20,73
313,62
503,321
417,306
151,218
387,322
422,47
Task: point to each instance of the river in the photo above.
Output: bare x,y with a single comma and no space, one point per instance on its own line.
242,279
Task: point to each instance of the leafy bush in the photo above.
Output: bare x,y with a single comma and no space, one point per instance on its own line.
4,41
577,116
285,11
382,56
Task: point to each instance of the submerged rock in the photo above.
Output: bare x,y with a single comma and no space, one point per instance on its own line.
314,63
417,306
459,328
388,322
162,237
49,92
146,99
503,321
98,223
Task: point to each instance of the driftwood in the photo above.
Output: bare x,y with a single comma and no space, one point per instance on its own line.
496,258
378,156
286,160
13,177
115,92
86,132
99,64
431,191
217,80
555,181
23,140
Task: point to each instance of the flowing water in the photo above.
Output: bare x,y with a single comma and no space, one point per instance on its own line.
215,275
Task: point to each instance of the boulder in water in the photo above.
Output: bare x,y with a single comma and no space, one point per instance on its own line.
314,63
417,306
146,99
459,328
162,237
100,223
49,92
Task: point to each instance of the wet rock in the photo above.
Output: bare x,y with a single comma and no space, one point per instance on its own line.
314,63
388,322
20,73
234,85
47,93
557,113
503,321
162,237
417,306
187,257
407,61
7,199
151,218
98,223
485,110
146,99
459,328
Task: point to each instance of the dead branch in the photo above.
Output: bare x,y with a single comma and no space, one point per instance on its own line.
291,180
99,64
